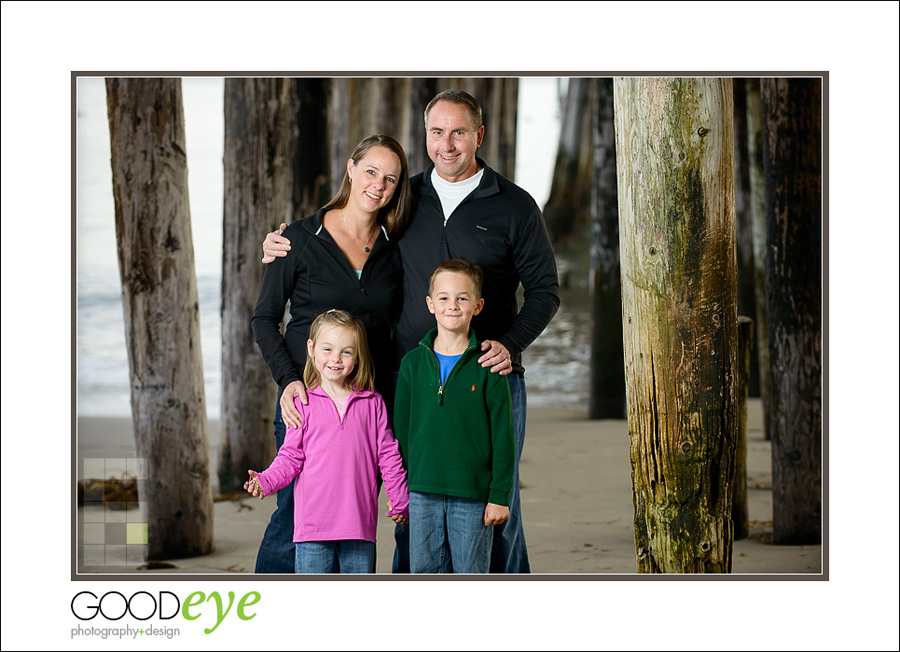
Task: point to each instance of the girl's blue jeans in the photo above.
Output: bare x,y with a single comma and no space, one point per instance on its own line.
353,556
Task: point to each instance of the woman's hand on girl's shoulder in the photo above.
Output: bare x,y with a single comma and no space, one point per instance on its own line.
289,412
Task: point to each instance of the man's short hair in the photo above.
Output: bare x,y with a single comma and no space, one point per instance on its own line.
460,267
456,96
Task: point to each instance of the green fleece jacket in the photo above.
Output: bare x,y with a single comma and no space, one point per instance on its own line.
456,439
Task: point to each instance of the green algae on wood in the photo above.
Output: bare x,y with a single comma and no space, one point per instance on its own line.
674,144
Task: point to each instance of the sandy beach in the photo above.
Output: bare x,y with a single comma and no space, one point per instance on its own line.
576,503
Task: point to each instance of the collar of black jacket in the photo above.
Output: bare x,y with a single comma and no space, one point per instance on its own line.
489,182
313,224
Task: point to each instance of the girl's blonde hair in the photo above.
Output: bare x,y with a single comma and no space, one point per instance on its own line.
363,375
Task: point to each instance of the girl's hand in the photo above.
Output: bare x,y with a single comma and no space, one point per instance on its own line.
252,485
289,412
495,514
399,519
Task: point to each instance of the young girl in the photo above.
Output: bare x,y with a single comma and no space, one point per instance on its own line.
342,441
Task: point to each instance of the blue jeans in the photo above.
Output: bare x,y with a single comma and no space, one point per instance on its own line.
400,563
353,556
448,531
508,554
276,551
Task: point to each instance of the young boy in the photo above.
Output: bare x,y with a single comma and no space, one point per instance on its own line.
453,421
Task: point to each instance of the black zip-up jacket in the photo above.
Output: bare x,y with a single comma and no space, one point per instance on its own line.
316,276
497,227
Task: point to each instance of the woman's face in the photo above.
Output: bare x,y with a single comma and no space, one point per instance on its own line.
375,177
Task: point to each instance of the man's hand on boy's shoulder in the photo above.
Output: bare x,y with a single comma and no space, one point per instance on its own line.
495,514
496,356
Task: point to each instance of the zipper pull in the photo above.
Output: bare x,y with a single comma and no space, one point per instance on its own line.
440,395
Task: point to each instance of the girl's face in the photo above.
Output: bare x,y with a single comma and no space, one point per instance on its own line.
334,354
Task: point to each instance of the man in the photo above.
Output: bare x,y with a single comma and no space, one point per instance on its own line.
464,209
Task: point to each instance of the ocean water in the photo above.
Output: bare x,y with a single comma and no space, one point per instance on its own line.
102,359
555,363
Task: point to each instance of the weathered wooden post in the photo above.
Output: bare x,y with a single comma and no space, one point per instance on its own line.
740,510
674,153
568,207
162,327
312,172
607,371
746,272
421,90
501,104
388,103
758,212
340,138
792,158
260,142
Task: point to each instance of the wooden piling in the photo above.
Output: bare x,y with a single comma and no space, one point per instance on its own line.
740,512
674,153
161,309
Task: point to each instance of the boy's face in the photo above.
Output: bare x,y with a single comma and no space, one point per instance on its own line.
453,302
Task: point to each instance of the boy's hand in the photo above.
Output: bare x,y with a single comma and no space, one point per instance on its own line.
495,514
496,357
252,485
399,519
275,245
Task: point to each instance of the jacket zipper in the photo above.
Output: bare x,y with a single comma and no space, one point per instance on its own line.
440,393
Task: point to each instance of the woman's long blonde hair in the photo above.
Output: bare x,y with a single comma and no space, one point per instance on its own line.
395,216
363,375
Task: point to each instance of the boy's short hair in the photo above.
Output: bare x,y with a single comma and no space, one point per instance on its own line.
460,267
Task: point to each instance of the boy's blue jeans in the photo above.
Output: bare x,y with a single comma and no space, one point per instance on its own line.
353,556
509,554
448,531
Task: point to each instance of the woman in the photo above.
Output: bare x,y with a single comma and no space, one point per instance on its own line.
344,256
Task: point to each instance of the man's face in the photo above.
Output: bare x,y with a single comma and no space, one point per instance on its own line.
452,141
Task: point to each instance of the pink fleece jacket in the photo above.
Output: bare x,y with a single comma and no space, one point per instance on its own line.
336,494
